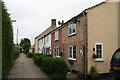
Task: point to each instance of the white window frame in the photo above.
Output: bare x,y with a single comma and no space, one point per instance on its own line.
56,35
71,25
71,58
48,39
99,59
57,54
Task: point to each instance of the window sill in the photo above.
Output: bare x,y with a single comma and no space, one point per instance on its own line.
71,34
57,56
72,59
99,60
56,40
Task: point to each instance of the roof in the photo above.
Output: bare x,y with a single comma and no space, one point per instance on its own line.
53,29
46,32
95,5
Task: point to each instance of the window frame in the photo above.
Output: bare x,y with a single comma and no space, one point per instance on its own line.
71,58
57,52
70,27
56,35
99,59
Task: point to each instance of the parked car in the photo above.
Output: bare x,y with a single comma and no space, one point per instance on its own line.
115,64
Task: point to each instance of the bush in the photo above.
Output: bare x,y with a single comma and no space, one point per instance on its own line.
38,54
30,55
15,53
57,68
38,60
93,72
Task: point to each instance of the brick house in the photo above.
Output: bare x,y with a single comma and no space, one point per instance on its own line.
68,41
95,31
56,43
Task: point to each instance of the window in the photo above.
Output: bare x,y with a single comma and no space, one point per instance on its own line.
57,51
72,52
42,41
99,51
72,29
56,35
48,39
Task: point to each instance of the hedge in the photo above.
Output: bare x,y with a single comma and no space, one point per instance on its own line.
38,60
56,68
9,53
30,55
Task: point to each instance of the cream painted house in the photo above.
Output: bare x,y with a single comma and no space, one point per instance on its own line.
43,40
45,45
103,29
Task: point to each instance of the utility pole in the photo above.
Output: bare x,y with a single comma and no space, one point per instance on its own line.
17,37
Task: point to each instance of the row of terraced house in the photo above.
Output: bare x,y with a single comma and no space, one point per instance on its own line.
88,39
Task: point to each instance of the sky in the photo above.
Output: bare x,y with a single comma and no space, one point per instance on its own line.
34,16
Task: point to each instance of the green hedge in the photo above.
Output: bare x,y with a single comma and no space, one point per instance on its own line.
38,60
8,65
15,53
30,55
56,68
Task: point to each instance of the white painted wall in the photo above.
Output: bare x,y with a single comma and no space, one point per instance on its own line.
45,42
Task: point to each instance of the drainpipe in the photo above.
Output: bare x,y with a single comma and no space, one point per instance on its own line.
85,45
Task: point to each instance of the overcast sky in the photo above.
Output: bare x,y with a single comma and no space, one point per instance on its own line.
34,16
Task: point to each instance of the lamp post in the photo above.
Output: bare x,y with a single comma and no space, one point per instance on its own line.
17,33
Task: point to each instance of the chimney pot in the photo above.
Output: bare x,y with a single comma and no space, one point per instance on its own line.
53,22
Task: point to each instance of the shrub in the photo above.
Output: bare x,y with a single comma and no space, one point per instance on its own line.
93,72
15,53
38,54
38,59
30,55
57,68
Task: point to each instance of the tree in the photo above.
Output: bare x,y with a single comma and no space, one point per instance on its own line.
7,40
25,44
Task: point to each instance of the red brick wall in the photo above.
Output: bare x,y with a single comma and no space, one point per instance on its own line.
76,40
65,41
57,42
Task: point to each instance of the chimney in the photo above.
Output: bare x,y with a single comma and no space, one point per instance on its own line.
62,22
53,22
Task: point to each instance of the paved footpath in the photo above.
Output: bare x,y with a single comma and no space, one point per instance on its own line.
25,68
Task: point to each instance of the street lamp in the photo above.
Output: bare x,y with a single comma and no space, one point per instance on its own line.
17,33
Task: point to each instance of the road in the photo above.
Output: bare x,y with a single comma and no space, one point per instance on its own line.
25,68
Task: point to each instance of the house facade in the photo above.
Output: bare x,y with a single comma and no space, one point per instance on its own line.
45,45
56,43
68,42
43,40
32,49
94,32
103,29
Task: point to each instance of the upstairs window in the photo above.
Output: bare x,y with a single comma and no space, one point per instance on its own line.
72,29
56,35
48,39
